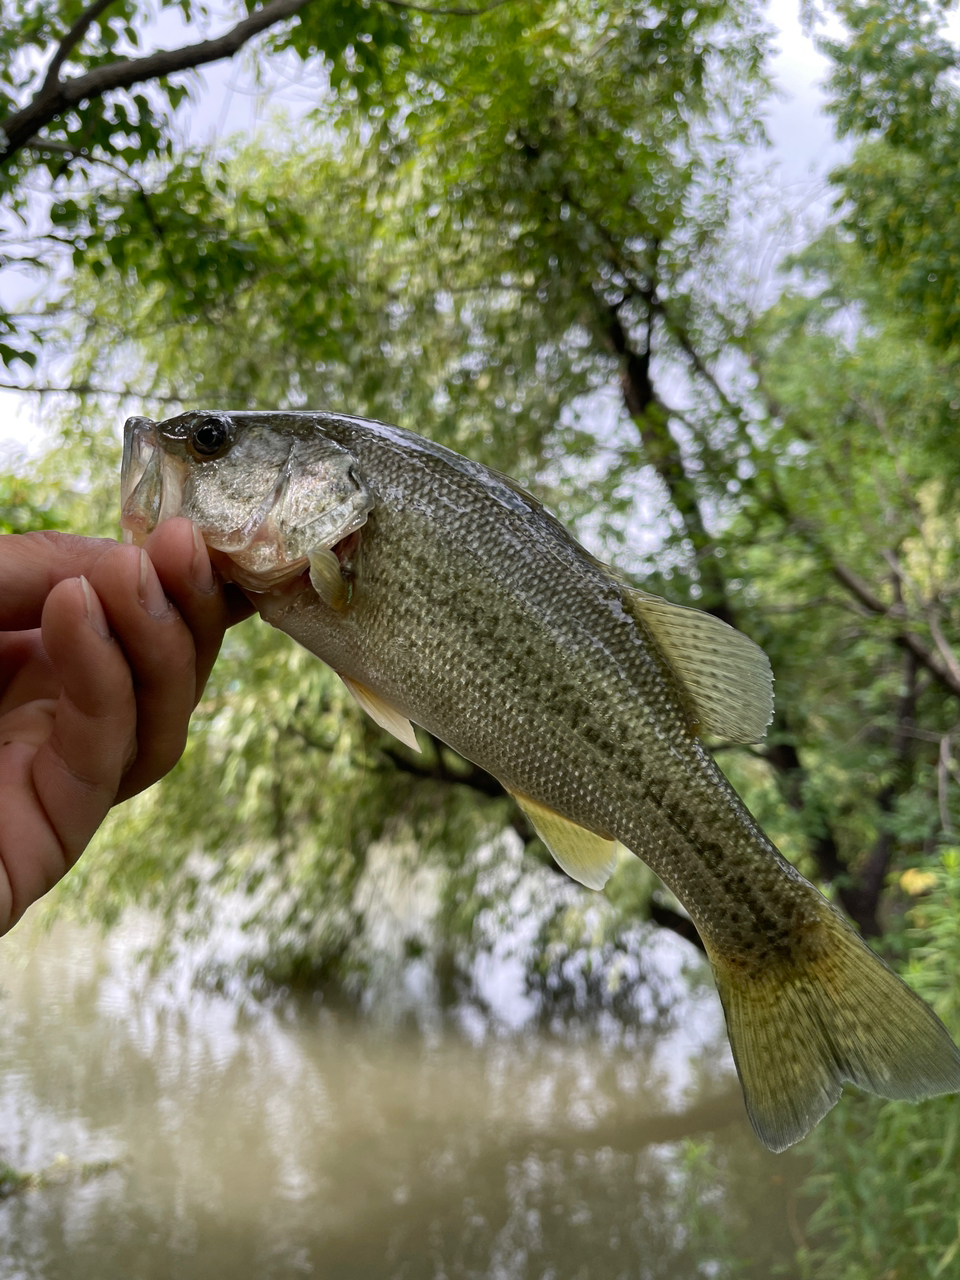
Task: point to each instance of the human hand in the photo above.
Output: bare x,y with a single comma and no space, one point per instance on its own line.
104,652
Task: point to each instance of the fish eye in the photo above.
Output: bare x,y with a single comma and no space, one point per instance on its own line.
209,438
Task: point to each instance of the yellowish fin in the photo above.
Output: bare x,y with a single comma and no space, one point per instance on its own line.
799,1030
327,580
387,717
726,677
584,855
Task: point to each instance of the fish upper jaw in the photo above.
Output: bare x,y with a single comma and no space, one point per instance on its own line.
140,480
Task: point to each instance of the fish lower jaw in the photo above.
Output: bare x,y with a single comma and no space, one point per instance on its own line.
136,529
284,579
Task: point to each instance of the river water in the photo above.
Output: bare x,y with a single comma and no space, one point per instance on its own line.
183,1133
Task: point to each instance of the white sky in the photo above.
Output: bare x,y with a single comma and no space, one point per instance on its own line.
803,149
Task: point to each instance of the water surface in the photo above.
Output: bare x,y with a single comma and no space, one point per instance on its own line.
291,1139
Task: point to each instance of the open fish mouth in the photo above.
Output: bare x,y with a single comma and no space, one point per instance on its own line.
141,480
152,481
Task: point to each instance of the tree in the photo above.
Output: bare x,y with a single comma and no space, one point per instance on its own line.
523,249
893,88
482,292
81,100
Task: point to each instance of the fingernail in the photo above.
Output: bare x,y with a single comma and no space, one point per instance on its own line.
202,568
95,615
151,592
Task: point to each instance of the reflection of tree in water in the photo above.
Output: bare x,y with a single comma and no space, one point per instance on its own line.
678,1196
293,1137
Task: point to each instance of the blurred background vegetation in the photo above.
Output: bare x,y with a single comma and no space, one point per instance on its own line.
534,231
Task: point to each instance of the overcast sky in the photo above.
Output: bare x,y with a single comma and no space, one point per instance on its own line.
803,150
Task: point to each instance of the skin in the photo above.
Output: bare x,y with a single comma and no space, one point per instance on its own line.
104,653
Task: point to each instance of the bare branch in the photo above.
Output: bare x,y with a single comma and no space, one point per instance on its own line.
88,389
944,647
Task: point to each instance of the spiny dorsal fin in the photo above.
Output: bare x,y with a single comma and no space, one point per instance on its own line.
725,675
387,717
584,855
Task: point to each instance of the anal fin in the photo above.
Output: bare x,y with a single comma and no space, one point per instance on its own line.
584,855
380,710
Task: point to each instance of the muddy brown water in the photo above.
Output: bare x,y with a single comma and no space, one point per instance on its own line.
181,1133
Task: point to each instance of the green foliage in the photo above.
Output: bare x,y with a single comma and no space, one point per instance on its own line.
12,1181
73,147
490,253
469,297
493,230
894,84
887,1174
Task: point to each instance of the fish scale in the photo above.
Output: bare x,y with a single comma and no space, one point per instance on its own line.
462,605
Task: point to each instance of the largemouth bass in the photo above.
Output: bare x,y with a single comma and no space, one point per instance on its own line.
446,596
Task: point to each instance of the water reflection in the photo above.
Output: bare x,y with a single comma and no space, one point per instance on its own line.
297,1139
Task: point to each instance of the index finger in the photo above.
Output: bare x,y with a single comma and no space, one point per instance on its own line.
31,565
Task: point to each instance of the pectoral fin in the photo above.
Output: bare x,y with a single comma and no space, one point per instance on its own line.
726,677
328,581
387,717
584,855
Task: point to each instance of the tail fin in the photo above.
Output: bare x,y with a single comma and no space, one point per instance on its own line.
799,1031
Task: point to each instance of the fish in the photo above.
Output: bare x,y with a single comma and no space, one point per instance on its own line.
444,595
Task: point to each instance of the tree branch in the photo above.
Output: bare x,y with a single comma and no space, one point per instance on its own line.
683,926
445,13
862,900
70,42
942,670
790,773
663,453
944,673
436,770
20,128
88,389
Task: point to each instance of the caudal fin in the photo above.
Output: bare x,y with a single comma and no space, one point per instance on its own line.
799,1031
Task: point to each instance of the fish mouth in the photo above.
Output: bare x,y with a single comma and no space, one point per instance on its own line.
152,481
141,481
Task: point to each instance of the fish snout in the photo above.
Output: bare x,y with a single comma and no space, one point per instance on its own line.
141,488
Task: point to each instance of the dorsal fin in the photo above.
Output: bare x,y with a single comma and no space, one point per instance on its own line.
387,717
726,677
584,855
